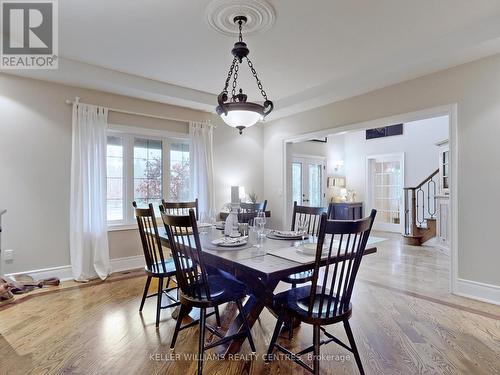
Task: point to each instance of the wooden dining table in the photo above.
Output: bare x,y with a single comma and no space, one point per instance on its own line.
256,268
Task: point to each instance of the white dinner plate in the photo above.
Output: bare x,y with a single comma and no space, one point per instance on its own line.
230,242
287,234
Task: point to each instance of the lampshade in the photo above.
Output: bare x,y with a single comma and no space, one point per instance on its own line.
241,118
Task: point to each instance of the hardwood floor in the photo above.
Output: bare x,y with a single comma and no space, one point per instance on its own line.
404,321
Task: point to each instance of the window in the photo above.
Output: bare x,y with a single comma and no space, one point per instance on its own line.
144,169
114,167
179,172
148,166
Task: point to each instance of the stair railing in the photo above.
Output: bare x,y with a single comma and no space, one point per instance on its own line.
415,208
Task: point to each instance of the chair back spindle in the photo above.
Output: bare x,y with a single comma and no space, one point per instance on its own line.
180,208
253,207
184,240
345,241
150,239
247,217
312,215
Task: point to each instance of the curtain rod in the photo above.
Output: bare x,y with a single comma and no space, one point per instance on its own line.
77,101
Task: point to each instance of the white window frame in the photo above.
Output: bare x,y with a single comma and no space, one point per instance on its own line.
128,134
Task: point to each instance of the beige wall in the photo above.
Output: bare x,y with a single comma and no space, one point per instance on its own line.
475,87
35,157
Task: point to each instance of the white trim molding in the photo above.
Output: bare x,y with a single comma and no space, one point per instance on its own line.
64,273
479,291
450,110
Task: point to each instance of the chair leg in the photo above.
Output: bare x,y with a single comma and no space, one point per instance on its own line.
276,332
182,313
158,301
350,336
217,316
247,327
201,344
290,330
316,335
145,294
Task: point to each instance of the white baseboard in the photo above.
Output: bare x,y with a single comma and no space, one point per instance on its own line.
478,291
64,273
127,263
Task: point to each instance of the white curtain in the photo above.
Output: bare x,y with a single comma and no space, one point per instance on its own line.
88,225
201,135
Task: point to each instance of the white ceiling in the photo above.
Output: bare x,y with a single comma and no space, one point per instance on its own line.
317,52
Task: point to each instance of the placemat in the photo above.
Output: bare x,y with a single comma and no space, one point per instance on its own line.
292,254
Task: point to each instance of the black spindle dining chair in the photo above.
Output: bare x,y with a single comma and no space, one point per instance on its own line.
198,288
247,217
180,208
312,215
157,265
328,299
253,207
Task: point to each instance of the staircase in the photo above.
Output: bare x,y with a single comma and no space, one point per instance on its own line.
420,211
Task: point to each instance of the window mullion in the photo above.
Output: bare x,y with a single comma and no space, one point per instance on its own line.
129,173
166,168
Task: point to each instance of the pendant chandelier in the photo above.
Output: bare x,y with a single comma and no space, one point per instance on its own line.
236,111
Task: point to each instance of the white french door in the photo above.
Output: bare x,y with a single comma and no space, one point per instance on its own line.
308,179
385,181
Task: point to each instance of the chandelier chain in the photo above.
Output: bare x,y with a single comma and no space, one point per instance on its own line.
235,80
229,74
254,73
241,35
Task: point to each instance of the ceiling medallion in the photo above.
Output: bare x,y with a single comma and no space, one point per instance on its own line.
236,111
220,16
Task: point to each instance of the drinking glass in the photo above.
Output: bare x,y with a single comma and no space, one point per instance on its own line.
259,226
262,220
212,217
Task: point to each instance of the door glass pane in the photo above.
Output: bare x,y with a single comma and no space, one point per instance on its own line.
315,185
148,172
297,182
386,193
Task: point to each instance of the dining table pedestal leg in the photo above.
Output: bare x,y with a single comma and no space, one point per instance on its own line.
261,297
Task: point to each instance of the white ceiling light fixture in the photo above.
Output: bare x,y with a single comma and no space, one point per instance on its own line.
236,111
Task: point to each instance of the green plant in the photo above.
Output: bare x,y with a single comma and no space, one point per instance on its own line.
253,197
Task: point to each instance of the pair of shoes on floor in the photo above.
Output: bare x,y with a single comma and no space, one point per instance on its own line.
6,300
6,295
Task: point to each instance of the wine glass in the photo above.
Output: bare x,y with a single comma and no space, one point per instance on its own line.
211,217
262,216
